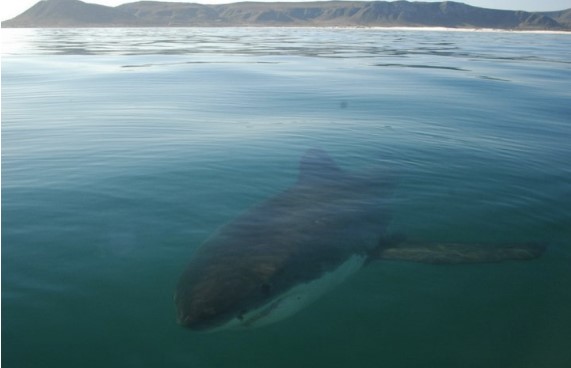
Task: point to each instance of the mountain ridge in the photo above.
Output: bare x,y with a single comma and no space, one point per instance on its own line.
76,13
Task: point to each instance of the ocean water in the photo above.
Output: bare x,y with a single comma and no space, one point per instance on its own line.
123,149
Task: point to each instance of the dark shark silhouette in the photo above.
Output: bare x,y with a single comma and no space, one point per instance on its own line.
285,252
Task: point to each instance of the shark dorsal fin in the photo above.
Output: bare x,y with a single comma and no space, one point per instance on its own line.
316,167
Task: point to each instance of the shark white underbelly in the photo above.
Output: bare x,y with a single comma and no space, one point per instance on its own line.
296,298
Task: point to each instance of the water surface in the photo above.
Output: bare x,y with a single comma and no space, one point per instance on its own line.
123,149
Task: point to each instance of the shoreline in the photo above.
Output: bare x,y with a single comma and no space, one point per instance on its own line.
381,28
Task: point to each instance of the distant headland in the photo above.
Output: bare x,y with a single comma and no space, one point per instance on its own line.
75,13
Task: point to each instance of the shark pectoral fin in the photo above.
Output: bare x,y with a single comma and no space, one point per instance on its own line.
454,253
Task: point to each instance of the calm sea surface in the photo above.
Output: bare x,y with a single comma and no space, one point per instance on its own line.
123,149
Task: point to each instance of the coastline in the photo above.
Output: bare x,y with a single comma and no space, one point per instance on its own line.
385,28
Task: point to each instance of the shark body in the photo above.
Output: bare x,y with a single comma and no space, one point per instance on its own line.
287,251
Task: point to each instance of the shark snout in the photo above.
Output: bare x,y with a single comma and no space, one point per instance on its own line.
183,319
196,323
194,318
184,315
189,320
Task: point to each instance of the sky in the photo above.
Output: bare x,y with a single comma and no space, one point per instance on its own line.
11,8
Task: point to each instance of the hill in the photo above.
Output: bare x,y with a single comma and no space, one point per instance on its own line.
562,17
75,13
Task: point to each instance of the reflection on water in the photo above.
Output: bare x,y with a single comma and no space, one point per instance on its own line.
407,48
424,66
333,42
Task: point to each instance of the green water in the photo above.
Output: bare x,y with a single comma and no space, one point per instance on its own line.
122,150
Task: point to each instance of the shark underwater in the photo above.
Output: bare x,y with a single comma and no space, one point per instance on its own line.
284,253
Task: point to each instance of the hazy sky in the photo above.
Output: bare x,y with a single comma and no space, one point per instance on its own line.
11,8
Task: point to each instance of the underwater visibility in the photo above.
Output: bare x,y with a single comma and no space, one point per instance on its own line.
363,183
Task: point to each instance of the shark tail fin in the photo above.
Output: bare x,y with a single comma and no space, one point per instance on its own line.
455,253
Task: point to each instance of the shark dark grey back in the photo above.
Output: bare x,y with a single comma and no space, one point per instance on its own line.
243,272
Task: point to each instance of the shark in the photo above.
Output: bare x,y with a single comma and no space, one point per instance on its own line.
284,253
